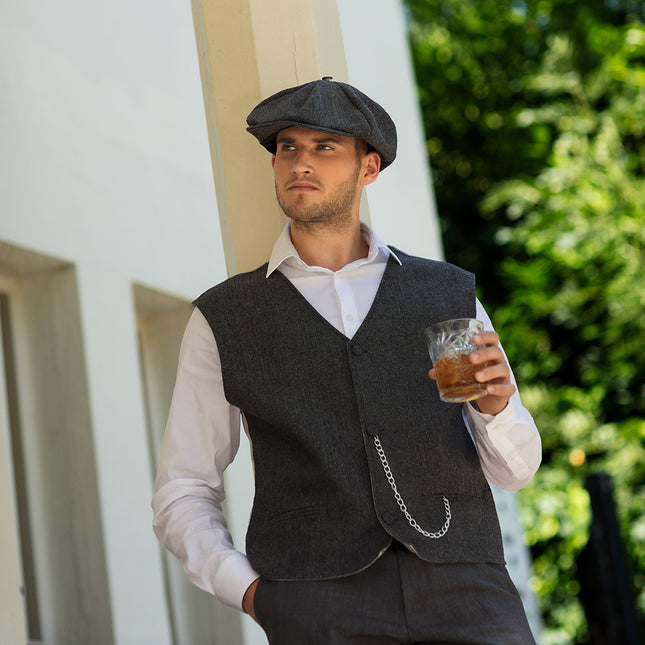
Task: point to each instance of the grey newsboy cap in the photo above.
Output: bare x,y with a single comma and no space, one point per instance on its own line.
326,106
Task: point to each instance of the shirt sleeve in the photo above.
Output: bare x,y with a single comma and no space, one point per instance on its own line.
508,443
201,439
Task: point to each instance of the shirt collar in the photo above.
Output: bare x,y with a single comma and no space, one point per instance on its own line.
284,250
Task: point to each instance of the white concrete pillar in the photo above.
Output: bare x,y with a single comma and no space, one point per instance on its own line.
136,587
247,51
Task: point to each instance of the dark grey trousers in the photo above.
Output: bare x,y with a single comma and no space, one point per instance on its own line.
399,600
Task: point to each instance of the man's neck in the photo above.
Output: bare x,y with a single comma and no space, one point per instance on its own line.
330,249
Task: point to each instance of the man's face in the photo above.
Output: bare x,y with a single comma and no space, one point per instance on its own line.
317,176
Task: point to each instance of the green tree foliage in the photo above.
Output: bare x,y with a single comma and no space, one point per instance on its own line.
574,267
535,118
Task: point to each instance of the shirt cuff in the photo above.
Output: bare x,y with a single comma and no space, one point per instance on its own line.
234,575
503,419
509,436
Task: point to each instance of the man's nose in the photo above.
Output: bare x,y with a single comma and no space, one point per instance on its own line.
301,163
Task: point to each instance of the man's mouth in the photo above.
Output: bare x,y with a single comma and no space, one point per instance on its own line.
302,186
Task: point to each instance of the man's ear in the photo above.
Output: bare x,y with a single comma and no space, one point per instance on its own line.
372,166
272,161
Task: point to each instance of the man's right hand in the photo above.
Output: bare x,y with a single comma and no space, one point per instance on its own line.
248,600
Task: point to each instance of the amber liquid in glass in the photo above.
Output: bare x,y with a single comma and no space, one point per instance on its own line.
456,378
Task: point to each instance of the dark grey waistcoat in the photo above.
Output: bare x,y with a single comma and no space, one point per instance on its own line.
314,401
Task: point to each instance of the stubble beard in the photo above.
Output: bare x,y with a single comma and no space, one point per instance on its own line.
334,213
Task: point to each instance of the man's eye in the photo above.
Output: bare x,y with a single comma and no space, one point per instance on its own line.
324,146
287,147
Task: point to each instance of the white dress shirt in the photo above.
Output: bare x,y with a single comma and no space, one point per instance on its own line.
203,430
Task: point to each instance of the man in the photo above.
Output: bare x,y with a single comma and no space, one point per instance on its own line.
373,520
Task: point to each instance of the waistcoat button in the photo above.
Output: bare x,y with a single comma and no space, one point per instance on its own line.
371,429
357,350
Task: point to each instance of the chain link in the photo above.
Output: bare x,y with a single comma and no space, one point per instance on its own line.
404,509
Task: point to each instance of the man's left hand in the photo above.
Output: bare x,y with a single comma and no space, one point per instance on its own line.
496,374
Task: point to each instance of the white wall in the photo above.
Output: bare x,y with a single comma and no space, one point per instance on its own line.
104,163
104,153
401,202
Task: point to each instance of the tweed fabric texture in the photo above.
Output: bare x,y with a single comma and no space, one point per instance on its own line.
326,106
314,400
398,600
